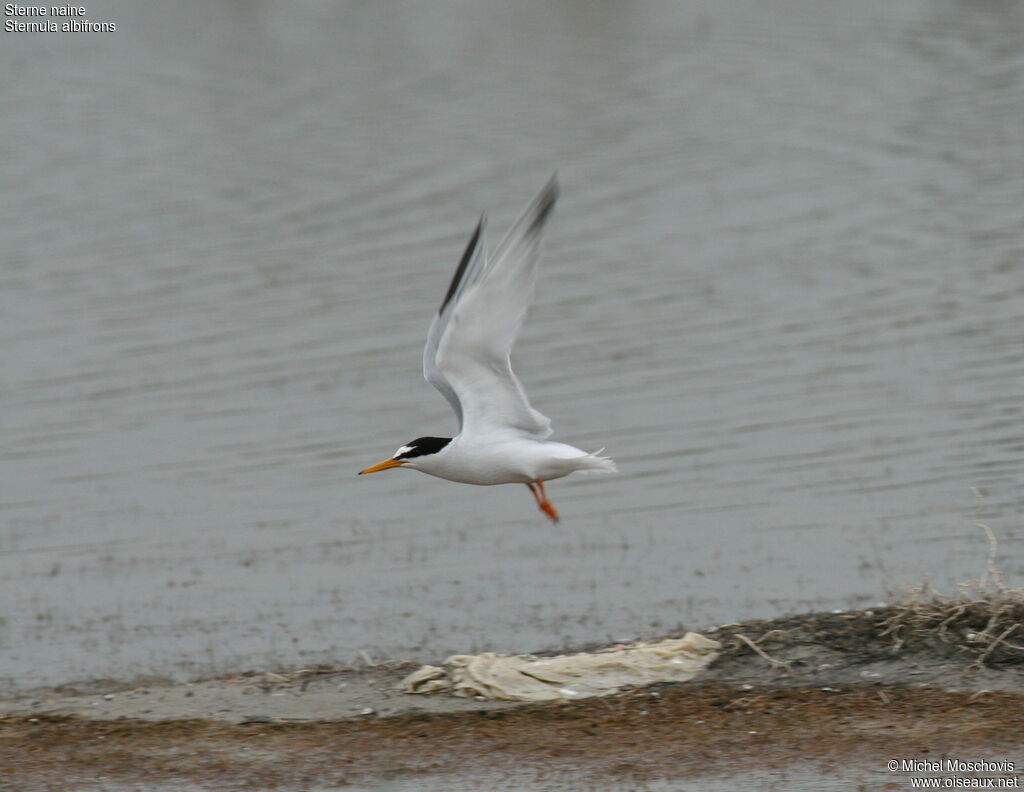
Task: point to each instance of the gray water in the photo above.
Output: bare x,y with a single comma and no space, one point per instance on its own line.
784,288
803,777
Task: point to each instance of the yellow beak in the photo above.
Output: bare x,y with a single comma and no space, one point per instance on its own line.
385,465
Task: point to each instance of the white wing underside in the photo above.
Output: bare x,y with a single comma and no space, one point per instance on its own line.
469,342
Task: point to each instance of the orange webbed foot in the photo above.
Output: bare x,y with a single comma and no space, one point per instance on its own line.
539,495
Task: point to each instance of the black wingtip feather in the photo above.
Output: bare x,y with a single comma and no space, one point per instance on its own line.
545,202
541,208
460,271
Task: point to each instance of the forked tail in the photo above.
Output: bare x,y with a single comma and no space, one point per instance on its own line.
595,463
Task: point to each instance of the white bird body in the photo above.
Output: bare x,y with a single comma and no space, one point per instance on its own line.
510,459
502,439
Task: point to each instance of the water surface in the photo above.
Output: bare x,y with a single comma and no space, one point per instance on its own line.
784,288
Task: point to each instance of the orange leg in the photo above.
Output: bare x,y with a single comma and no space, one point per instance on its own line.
539,495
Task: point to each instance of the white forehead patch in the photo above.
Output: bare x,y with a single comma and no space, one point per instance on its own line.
403,450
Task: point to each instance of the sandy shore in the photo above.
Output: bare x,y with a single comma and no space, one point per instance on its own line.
826,697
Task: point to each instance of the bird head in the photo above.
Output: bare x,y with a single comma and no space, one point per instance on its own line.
411,454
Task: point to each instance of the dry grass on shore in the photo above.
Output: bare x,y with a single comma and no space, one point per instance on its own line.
980,626
981,619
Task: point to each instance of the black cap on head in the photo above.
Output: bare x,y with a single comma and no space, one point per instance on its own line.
422,446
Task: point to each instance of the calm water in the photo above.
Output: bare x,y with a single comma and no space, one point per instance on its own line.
784,287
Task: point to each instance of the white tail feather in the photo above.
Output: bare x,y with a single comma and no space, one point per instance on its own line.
594,463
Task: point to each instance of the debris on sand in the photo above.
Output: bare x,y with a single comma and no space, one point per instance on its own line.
599,673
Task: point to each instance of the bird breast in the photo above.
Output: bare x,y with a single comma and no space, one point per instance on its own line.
501,461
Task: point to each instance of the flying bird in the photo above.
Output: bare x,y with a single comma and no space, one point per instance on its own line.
501,439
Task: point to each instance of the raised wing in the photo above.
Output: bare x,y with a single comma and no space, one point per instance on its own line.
468,272
481,317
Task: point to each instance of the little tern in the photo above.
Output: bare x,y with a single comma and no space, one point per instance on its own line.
501,439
